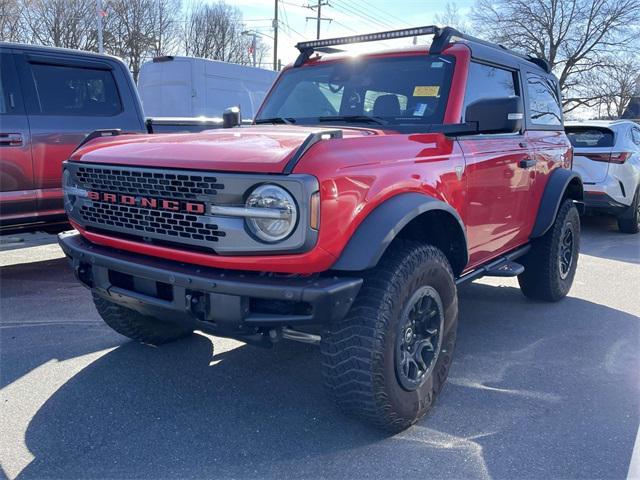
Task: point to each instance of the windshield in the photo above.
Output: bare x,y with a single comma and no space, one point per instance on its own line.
392,90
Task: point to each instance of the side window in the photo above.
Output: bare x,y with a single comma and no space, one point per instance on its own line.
544,103
63,90
8,85
485,81
4,98
635,134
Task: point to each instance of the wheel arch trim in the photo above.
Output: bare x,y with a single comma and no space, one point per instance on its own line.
562,184
382,225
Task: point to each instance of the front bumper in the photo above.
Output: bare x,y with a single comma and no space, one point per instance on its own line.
226,302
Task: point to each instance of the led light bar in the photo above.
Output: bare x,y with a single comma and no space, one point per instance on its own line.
369,37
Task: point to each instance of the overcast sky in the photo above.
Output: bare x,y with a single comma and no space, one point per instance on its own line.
348,18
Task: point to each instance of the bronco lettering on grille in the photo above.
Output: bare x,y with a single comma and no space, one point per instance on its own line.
196,208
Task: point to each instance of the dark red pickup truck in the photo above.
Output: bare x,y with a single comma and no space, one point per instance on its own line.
369,187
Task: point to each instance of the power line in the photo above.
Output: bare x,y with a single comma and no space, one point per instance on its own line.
383,12
349,10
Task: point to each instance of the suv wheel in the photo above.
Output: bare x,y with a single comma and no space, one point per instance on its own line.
136,326
389,358
550,265
629,222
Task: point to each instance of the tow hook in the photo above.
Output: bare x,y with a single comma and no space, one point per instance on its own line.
85,274
198,304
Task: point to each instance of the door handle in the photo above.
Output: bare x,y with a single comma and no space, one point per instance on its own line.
10,139
527,163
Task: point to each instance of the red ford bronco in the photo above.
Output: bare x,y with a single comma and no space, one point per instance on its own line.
367,189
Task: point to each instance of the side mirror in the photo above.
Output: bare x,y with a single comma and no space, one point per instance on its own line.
231,117
496,115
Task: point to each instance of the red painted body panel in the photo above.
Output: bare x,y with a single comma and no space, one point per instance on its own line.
260,149
479,176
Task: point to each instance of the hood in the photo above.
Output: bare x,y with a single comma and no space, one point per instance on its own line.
259,149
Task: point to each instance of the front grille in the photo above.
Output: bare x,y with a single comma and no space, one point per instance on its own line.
160,226
171,185
149,223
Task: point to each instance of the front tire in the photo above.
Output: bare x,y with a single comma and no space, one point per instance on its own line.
136,326
629,222
550,265
389,358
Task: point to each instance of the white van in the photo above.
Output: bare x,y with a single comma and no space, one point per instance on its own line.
197,87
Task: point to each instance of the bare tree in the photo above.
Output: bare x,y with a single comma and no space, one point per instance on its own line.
214,31
166,26
615,85
575,36
59,23
452,17
11,27
138,29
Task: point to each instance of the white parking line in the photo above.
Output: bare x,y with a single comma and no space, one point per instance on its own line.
634,466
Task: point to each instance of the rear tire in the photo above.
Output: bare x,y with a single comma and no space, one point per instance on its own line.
389,358
138,327
550,265
629,222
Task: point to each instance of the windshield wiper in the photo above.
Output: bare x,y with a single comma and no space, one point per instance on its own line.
354,119
285,120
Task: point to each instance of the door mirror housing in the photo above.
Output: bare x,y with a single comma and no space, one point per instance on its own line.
231,117
496,115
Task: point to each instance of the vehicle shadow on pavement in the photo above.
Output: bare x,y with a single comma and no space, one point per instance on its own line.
46,315
619,246
534,390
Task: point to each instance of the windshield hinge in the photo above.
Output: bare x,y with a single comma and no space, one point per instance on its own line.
309,142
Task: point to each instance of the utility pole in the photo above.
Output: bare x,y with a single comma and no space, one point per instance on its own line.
253,49
275,37
318,18
99,15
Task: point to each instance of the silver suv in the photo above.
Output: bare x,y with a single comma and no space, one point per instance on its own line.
607,156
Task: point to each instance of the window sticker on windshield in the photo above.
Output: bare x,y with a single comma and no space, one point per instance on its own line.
437,64
419,110
426,91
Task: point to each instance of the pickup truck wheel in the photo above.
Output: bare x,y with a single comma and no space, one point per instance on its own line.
138,327
550,265
629,222
389,358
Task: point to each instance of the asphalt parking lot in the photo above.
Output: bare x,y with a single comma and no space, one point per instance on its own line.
536,390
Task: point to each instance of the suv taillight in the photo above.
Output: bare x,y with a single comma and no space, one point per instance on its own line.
616,157
620,157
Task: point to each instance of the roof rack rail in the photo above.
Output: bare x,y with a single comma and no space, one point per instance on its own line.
441,38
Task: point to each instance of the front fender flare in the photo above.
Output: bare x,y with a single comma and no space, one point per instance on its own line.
554,193
382,225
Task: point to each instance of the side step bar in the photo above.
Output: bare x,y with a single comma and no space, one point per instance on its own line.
501,267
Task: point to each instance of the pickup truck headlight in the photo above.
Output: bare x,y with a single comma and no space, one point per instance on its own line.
274,213
67,186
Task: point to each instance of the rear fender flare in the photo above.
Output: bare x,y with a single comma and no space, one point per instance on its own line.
562,184
382,226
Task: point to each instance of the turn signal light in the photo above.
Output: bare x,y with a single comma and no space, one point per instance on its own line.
314,214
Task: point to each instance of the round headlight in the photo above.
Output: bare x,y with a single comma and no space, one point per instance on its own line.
275,213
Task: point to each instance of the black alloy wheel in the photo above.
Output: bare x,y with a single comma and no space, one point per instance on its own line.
419,338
